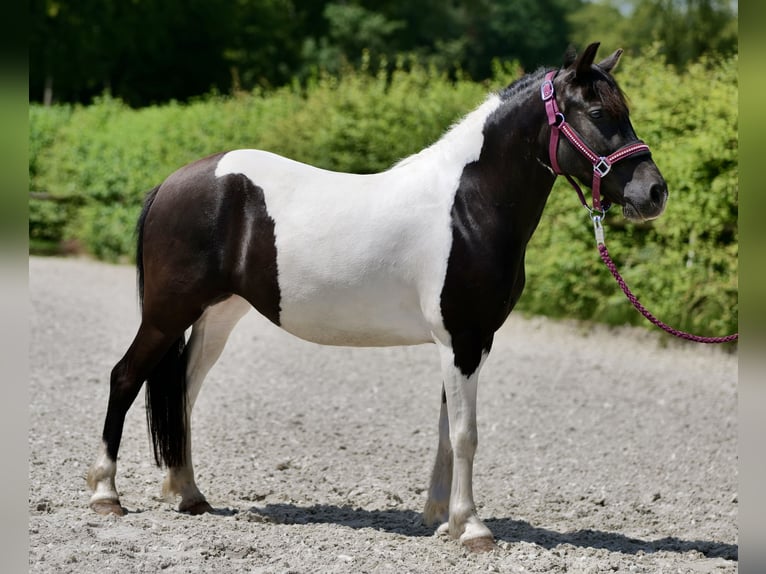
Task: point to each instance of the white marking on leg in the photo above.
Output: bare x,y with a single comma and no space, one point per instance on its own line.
461,391
208,339
101,478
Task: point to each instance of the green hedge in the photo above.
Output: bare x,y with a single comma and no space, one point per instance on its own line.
99,161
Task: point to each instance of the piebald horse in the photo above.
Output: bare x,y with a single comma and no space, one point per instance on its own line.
429,251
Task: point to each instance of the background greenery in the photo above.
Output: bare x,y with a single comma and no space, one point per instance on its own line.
99,160
151,51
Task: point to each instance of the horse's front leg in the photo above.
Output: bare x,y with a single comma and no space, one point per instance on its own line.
437,505
460,369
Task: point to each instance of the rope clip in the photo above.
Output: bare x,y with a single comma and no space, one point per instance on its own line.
598,227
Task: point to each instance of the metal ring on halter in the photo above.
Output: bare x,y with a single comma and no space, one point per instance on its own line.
597,212
602,167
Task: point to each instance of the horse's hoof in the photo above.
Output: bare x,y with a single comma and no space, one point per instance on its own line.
482,544
106,507
196,508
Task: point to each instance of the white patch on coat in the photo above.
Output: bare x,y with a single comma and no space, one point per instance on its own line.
362,258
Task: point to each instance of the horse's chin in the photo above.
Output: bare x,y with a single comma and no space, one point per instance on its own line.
632,213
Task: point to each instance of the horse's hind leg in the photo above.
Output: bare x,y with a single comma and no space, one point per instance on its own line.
437,506
208,338
147,349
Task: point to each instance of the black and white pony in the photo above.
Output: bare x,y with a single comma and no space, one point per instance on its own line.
429,251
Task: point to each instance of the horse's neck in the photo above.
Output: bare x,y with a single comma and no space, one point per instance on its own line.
501,138
509,136
511,172
467,139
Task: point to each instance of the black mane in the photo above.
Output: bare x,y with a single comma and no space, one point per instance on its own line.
521,85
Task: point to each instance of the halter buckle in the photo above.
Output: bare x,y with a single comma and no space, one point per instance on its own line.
546,90
602,166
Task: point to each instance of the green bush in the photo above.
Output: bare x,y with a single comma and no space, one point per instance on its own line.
47,219
683,266
362,123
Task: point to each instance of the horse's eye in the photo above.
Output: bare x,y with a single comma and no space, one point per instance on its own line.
596,113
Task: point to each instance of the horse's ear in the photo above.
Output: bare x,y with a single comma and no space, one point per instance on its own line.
610,63
585,61
570,56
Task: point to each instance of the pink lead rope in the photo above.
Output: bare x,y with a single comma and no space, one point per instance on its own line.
601,167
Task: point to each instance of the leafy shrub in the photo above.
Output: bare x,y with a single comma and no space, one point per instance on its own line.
364,123
47,219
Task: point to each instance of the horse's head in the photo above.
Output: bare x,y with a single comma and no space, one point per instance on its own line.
591,103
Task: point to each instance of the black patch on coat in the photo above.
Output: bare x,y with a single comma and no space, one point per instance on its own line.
476,296
251,245
497,207
206,238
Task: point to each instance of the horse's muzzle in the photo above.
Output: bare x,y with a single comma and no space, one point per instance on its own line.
646,195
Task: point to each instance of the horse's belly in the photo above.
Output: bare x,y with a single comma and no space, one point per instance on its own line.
378,315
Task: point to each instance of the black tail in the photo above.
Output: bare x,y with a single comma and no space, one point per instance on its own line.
166,384
166,406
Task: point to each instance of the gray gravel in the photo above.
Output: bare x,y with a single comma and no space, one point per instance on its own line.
600,450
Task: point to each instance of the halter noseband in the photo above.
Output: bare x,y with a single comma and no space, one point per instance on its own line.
601,164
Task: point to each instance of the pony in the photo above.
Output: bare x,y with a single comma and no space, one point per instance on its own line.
429,251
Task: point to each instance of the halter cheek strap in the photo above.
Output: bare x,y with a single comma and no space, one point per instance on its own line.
601,164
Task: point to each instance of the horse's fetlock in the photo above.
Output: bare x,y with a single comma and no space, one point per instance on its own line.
459,515
435,512
97,474
169,489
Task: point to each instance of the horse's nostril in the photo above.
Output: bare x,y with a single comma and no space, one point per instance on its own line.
658,194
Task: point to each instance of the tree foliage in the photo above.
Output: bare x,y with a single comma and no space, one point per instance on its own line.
153,51
685,30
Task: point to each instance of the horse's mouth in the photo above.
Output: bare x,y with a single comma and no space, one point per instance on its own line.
631,213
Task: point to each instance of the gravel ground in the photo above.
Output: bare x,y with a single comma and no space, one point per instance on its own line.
600,450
